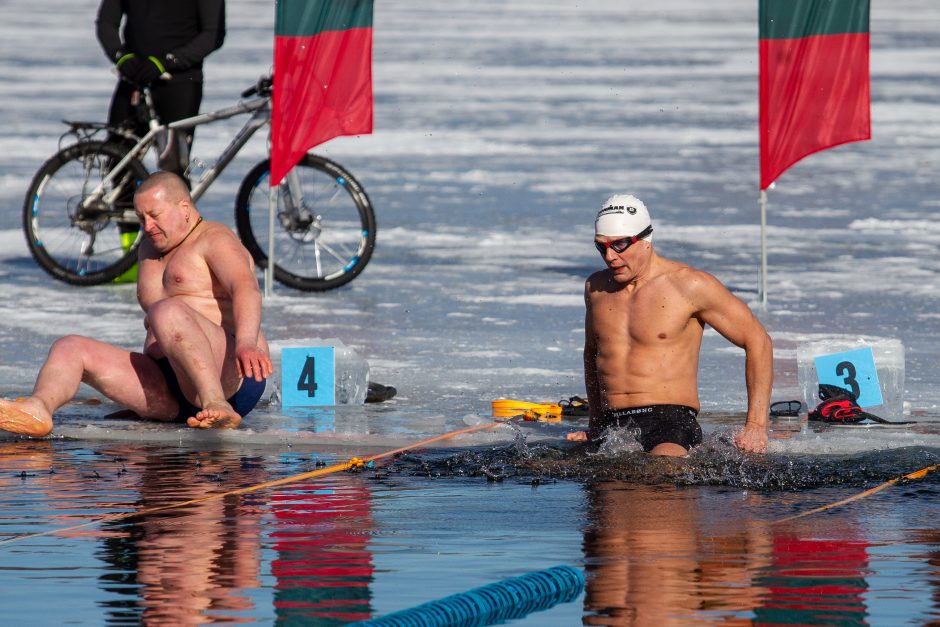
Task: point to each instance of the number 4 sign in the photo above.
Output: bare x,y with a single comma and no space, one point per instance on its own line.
854,371
307,376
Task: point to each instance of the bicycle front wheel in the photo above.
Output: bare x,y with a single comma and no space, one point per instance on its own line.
73,237
324,228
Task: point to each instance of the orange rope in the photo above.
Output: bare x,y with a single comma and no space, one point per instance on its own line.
267,484
917,474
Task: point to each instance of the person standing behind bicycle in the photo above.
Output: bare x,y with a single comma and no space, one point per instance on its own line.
162,45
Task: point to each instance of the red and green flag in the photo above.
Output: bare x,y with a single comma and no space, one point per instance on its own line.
322,76
814,81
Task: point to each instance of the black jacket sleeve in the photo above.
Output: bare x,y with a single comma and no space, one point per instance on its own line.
210,37
182,32
107,28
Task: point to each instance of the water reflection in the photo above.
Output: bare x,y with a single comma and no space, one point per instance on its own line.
814,582
41,493
930,540
192,564
654,553
200,563
323,566
649,561
654,557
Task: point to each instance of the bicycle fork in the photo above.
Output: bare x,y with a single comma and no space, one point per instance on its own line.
296,218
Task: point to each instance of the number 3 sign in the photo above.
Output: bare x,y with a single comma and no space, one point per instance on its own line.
307,376
854,371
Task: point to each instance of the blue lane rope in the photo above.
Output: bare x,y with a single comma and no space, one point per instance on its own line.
492,603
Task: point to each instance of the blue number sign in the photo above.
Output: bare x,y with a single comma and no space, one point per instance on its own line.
854,371
307,376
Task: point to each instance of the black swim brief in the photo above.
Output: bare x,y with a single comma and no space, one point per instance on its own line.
243,401
655,424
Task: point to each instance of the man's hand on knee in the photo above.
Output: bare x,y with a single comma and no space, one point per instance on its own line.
253,362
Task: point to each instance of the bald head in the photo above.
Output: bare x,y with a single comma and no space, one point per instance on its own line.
169,186
166,210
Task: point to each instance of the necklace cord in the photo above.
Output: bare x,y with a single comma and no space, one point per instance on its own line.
167,252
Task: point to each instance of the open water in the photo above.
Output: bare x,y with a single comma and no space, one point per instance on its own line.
499,129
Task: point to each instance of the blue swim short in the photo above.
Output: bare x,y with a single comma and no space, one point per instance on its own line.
243,401
657,424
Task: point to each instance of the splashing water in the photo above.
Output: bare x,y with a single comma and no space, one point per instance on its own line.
716,462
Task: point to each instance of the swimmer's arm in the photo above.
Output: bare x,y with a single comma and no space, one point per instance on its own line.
232,266
734,320
591,383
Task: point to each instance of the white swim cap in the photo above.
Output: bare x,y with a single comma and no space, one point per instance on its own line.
622,215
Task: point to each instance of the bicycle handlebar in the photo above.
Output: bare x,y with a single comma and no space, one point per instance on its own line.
261,88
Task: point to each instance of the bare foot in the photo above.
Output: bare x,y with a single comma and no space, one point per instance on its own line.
26,416
215,416
577,436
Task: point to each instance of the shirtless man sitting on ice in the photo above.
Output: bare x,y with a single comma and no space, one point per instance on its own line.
643,331
205,359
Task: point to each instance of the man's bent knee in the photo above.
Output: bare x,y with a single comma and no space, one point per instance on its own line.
73,345
168,311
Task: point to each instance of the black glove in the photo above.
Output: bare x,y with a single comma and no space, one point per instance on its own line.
140,71
173,63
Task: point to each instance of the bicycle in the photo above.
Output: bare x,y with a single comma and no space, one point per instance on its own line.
81,227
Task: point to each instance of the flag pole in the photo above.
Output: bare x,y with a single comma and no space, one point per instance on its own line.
762,277
269,269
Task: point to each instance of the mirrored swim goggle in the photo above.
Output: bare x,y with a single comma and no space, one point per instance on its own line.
620,245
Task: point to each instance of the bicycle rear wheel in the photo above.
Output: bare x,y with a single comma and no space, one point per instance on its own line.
324,228
80,242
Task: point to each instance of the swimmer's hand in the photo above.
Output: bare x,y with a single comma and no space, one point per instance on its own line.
253,362
577,436
752,439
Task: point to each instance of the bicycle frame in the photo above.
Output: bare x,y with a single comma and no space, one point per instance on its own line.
320,206
261,114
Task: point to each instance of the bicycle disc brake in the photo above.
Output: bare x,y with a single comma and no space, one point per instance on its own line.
301,224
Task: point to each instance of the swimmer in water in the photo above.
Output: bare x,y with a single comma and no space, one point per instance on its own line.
644,321
205,360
